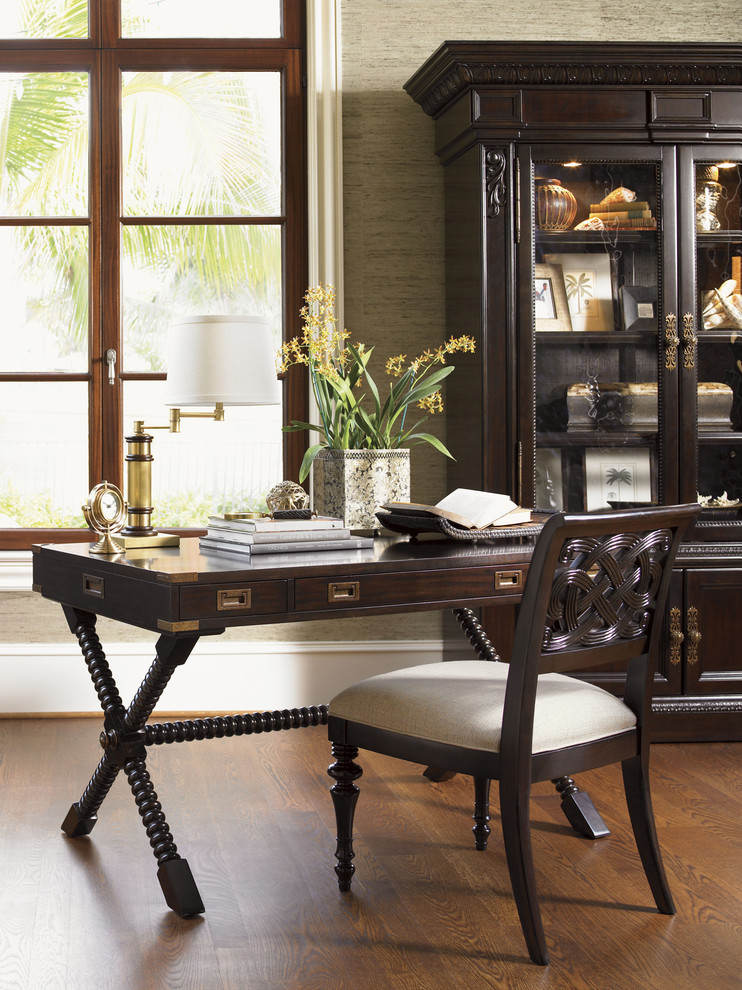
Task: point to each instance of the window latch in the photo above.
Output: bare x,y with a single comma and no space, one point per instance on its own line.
111,362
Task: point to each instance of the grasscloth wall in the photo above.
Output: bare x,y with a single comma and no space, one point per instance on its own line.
393,183
393,212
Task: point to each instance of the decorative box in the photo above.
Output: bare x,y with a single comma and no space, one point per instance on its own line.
633,406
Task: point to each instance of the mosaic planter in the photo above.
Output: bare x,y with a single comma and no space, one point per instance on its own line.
352,484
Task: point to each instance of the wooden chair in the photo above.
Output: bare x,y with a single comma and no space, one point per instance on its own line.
595,594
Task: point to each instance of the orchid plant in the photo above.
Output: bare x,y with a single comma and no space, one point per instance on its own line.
353,413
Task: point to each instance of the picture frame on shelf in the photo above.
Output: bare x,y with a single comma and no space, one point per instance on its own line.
589,289
549,495
638,304
550,306
617,475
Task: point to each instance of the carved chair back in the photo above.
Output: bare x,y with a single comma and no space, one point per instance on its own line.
595,595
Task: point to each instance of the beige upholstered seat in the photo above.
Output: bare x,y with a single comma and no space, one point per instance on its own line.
595,595
461,703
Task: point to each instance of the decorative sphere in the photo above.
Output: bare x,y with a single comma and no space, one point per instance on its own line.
286,495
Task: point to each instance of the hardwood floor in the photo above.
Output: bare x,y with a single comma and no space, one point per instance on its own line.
254,819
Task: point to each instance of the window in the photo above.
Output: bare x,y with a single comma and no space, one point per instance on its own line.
143,177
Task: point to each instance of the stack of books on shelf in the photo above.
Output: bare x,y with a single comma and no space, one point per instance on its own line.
634,215
262,536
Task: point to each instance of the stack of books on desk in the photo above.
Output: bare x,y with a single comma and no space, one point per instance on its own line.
259,536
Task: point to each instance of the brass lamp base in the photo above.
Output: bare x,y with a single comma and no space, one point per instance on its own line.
155,540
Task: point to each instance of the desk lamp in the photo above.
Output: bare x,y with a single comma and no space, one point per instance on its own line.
212,361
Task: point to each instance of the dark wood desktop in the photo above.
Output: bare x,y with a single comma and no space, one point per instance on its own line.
183,593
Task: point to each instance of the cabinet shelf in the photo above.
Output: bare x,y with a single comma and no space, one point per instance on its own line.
706,437
598,438
718,236
609,338
606,238
722,335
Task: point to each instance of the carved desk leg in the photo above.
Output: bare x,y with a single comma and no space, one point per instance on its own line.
82,816
123,744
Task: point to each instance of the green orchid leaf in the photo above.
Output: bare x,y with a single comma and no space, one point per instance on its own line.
296,425
306,464
434,441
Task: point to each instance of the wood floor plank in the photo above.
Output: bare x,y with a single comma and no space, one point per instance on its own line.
427,911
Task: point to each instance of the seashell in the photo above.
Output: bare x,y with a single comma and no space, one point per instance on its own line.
620,195
722,310
728,287
592,223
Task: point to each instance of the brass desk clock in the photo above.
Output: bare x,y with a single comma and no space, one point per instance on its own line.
105,512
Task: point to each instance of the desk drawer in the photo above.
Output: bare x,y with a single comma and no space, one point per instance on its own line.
408,588
243,598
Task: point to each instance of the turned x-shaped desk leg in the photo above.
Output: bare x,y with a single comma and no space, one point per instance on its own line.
123,742
577,805
126,736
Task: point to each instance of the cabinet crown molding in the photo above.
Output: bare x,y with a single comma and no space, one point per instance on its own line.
458,65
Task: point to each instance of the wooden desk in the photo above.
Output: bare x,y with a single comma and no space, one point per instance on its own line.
183,594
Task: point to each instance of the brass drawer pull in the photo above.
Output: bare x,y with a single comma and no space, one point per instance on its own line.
94,586
513,580
343,591
690,342
672,342
228,598
676,635
694,636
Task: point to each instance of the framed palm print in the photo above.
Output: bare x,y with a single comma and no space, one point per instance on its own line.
617,475
589,289
550,306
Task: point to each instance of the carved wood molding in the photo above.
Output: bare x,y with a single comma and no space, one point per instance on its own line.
495,180
696,706
456,66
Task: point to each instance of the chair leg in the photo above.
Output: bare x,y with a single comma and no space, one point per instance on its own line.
516,834
579,809
639,802
344,797
481,814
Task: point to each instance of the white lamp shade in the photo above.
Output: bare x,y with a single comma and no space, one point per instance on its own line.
228,359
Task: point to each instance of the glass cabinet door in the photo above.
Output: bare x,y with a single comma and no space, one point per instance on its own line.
602,430
716,312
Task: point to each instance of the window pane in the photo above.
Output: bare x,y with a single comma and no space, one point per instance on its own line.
44,292
196,19
44,440
44,19
201,143
208,467
44,128
170,271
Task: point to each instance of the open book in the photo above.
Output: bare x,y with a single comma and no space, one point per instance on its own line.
468,508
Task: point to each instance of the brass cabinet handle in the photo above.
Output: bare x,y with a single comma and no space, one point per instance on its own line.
676,636
690,342
227,598
343,591
672,342
512,580
694,635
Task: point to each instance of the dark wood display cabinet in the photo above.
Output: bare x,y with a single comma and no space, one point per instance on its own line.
593,228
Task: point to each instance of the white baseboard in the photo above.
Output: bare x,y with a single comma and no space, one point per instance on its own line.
51,678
